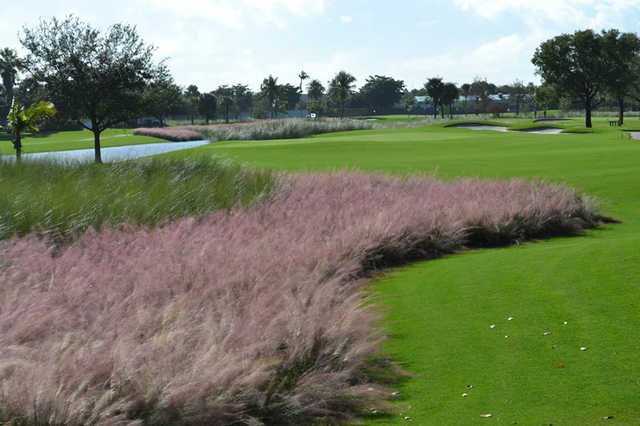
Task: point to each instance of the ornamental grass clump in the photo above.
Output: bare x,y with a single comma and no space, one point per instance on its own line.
174,134
248,317
61,200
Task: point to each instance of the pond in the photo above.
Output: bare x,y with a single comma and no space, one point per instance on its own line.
118,153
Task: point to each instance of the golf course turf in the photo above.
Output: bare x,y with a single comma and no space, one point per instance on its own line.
438,313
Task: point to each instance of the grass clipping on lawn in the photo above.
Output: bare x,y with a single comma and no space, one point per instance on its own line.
251,317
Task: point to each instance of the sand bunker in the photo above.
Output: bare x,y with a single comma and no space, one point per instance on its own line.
539,130
551,120
481,127
542,131
635,135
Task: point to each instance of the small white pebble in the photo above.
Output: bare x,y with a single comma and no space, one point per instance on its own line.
464,395
506,336
546,333
510,319
492,326
565,323
396,393
486,416
583,348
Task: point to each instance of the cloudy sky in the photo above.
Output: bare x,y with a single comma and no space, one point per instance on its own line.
214,42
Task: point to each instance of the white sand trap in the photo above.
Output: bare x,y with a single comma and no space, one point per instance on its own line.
635,135
481,127
542,131
551,120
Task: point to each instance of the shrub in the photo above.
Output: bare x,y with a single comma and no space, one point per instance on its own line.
249,317
175,134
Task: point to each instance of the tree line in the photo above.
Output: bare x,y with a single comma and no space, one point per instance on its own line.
102,79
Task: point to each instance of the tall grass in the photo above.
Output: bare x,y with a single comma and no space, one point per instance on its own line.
59,200
289,128
246,318
174,134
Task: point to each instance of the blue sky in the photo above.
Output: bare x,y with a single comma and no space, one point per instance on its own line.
214,42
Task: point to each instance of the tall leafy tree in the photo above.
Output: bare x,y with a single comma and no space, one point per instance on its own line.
544,96
481,89
290,96
270,90
20,120
242,98
341,88
620,51
517,94
449,94
192,95
435,90
315,90
10,64
465,91
95,78
162,97
224,94
207,106
381,92
574,64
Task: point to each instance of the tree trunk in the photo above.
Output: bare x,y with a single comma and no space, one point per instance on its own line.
18,147
435,110
96,145
442,111
587,108
621,114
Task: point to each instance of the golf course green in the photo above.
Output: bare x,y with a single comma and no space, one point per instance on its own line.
569,354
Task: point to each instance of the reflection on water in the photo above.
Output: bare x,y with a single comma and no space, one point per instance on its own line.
118,153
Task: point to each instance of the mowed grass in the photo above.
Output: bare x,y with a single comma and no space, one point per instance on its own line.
76,139
438,313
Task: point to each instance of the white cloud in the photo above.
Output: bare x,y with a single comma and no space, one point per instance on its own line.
507,56
239,14
572,13
346,19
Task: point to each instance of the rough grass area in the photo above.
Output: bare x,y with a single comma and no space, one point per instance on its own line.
248,318
58,200
174,134
290,128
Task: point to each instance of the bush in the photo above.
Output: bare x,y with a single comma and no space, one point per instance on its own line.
249,317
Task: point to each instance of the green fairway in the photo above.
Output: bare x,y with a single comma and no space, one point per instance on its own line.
438,313
76,139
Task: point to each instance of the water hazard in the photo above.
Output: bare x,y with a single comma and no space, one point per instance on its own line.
118,153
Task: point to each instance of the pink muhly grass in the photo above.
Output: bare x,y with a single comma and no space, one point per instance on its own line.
250,317
175,134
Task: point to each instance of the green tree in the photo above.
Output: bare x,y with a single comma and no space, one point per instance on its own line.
341,88
19,121
381,93
207,106
290,95
315,90
574,64
162,97
481,90
270,90
449,94
242,99
621,51
435,90
192,95
465,91
10,64
409,102
90,75
517,94
544,97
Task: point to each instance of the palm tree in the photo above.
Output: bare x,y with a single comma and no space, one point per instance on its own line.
10,64
20,121
271,90
340,89
315,90
302,76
